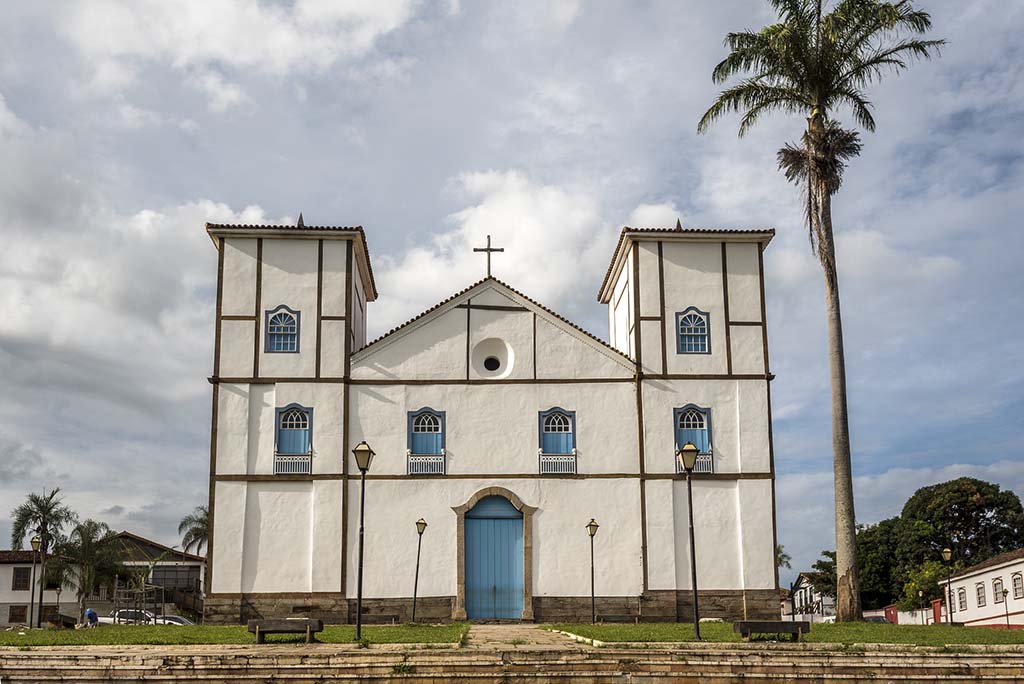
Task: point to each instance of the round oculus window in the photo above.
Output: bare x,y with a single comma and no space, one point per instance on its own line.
492,358
492,363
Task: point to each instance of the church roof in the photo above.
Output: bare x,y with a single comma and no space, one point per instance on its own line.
712,234
263,230
477,284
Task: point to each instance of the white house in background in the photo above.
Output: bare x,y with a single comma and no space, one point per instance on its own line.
502,424
166,567
18,585
989,593
808,603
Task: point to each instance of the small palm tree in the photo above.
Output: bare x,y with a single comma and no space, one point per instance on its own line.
44,515
89,558
195,530
782,559
812,62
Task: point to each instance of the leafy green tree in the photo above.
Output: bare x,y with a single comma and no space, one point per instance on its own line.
44,515
880,581
924,579
782,559
88,558
811,63
195,530
823,579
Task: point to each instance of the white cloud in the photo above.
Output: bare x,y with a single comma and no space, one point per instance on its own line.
222,95
655,216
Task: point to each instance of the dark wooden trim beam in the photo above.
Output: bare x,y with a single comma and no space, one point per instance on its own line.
492,307
267,380
534,345
319,299
210,502
639,388
278,478
661,299
325,317
771,437
753,323
725,298
242,477
469,312
233,317
650,318
345,418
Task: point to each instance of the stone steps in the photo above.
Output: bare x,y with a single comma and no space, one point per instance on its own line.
597,666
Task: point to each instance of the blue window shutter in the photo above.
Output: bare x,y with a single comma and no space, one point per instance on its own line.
557,443
426,442
699,438
293,441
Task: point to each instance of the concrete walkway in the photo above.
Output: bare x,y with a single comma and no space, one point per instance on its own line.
519,635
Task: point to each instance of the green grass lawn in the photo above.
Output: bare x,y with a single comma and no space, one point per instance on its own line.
118,635
848,633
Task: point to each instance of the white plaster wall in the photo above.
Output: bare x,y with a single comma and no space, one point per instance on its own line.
751,417
236,348
290,278
744,281
239,286
650,344
490,296
662,535
621,306
757,537
326,399
229,528
359,313
561,553
259,458
693,277
747,349
327,505
991,613
514,328
662,396
564,355
435,349
716,531
332,349
233,428
9,596
494,428
650,286
333,303
277,547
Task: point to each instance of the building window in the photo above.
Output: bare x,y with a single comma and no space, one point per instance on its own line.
294,448
979,589
282,331
21,579
557,442
17,614
1018,585
693,332
693,424
426,450
961,598
997,590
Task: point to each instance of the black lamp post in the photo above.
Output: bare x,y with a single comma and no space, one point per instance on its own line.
687,456
36,541
1006,607
364,455
947,554
592,531
42,577
421,526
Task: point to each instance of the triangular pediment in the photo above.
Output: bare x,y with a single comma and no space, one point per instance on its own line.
489,324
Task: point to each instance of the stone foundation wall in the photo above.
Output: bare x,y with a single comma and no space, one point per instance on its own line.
655,606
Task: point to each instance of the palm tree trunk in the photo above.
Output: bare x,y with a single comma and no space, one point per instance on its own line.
848,606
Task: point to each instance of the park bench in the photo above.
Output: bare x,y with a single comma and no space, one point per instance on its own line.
747,627
286,626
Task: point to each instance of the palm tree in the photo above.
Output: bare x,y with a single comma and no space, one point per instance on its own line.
89,557
195,530
782,559
44,515
811,63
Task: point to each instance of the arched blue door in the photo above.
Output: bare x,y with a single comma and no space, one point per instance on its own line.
494,560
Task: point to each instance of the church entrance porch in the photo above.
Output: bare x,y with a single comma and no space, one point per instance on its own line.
494,560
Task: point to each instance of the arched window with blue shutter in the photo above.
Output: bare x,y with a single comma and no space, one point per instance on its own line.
557,431
282,331
693,424
426,432
294,429
693,331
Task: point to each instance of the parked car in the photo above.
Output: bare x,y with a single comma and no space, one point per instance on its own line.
173,620
128,616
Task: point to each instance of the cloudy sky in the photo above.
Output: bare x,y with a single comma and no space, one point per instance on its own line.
125,125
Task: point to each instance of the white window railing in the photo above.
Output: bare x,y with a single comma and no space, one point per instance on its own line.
705,464
426,464
557,464
293,464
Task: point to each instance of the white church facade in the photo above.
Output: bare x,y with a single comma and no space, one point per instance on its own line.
501,424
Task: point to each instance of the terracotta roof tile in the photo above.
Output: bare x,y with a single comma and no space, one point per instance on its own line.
270,226
678,230
991,562
22,556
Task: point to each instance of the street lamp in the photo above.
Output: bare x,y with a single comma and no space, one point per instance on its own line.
36,542
947,554
364,456
421,526
42,576
592,530
1006,607
687,456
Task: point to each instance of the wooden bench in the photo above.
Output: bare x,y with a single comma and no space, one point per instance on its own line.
297,626
747,627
